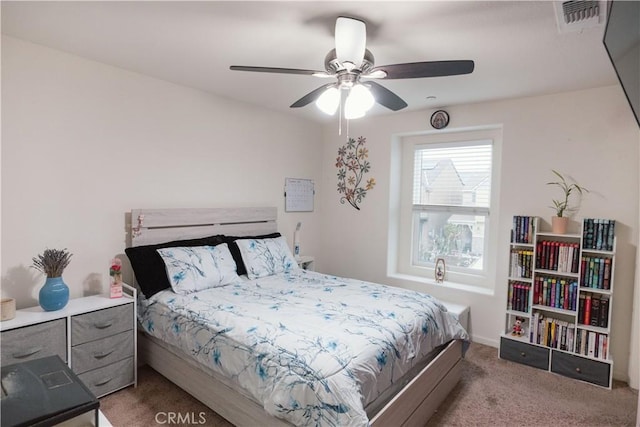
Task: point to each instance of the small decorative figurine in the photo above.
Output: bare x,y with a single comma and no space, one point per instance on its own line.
440,270
518,329
115,271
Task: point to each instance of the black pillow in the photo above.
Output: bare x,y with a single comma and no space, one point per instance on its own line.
149,268
235,250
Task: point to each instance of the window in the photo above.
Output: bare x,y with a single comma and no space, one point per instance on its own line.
451,194
446,193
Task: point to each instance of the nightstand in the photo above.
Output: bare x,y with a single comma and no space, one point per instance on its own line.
95,336
305,262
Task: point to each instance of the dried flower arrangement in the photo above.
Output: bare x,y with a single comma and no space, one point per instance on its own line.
52,262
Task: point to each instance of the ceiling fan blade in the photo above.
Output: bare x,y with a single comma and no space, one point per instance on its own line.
385,97
414,70
280,70
351,40
311,96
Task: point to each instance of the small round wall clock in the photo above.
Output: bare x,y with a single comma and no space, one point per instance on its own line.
440,119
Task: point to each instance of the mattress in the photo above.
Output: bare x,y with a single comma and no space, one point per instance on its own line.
312,349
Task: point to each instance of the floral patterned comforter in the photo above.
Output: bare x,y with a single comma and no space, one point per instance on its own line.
313,349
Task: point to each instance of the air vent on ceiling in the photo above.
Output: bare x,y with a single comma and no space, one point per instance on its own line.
577,15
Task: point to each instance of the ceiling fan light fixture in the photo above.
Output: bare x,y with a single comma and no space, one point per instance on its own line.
359,101
329,101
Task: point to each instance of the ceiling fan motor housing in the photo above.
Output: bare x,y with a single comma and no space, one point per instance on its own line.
333,66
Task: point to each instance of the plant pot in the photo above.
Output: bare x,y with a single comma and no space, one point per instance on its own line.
559,224
54,295
7,308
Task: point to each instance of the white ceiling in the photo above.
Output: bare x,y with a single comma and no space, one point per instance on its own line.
516,45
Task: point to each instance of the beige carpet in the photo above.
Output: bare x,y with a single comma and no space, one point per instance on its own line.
492,392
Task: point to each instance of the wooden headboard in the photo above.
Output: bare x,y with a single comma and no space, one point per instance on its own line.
149,226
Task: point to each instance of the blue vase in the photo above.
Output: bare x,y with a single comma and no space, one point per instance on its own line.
54,295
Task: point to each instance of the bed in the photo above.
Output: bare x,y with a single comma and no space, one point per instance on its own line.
279,345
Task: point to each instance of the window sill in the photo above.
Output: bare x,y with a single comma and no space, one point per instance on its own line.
446,284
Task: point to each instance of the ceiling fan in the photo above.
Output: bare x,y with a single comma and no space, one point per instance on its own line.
352,64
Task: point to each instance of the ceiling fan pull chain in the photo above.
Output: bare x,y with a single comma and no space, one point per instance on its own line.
340,115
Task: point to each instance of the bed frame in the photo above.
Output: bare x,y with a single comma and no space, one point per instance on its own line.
413,405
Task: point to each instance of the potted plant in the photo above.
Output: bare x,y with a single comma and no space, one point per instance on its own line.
561,206
54,295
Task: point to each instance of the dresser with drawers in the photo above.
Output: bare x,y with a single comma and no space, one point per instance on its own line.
94,335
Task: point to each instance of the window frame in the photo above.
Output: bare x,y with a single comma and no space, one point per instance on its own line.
402,237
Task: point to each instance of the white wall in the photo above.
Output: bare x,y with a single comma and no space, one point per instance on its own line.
83,143
589,135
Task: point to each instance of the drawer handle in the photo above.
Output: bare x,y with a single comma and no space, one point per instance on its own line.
104,325
103,382
27,353
578,370
523,354
102,355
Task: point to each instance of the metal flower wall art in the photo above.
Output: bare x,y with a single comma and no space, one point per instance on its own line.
352,164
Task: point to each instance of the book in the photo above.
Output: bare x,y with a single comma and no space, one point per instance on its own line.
587,235
606,280
594,318
581,308
535,327
591,348
575,262
587,309
601,263
603,321
600,347
598,233
570,339
510,297
611,234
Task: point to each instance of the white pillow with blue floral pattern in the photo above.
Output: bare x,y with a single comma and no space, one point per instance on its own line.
265,257
193,269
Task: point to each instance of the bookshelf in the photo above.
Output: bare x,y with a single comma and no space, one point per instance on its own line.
560,295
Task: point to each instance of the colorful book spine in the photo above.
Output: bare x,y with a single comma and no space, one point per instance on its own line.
555,292
520,263
598,234
558,256
592,344
593,310
551,332
523,229
519,296
596,272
